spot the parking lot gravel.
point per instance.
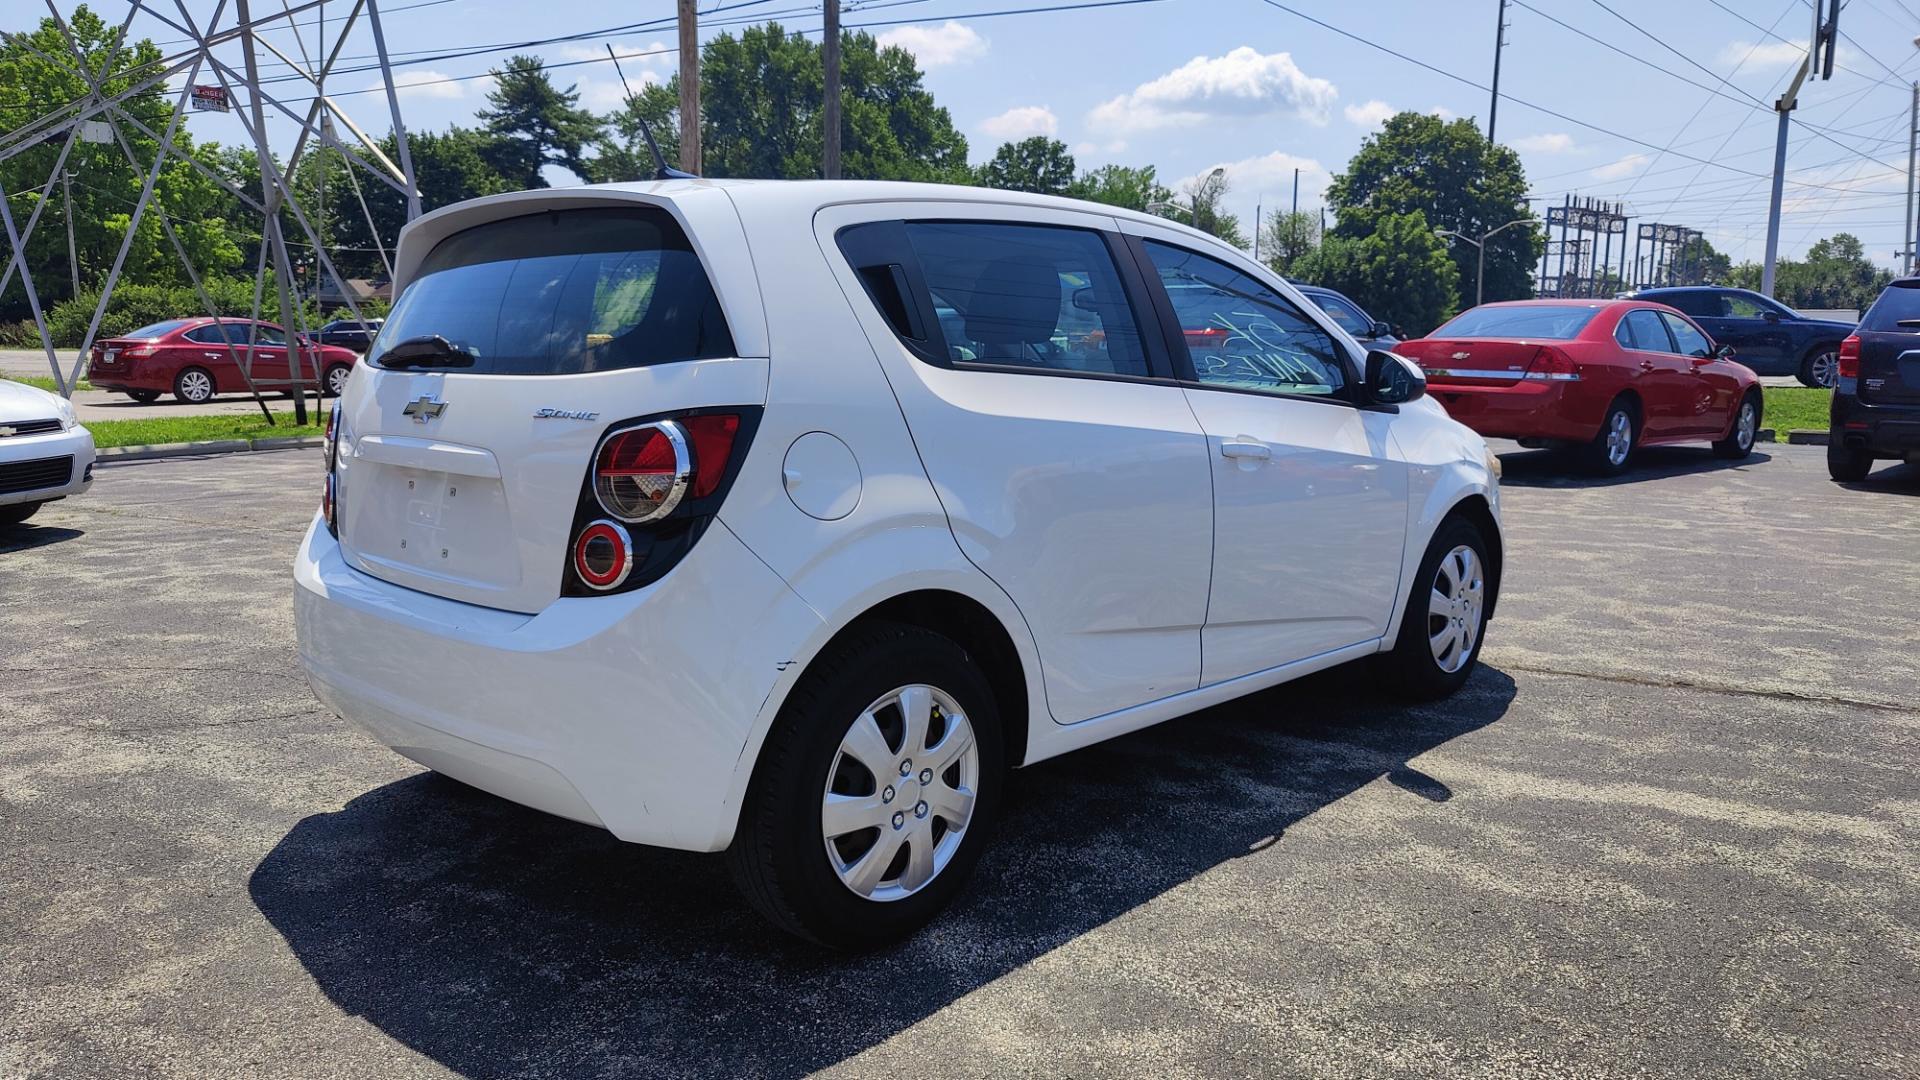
(1668, 830)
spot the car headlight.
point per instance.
(64, 409)
(1493, 462)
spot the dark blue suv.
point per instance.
(1370, 332)
(1766, 335)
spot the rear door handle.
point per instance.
(1251, 451)
(1647, 365)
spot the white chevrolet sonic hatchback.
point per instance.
(783, 518)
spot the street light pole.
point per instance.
(1480, 275)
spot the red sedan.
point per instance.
(1600, 376)
(198, 358)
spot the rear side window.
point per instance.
(1035, 296)
(1897, 303)
(1544, 323)
(1641, 329)
(566, 291)
(1704, 305)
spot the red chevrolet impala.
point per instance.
(195, 359)
(1601, 377)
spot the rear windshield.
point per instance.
(1536, 323)
(159, 329)
(565, 291)
(1896, 302)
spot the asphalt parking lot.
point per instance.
(1669, 829)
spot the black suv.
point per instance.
(1876, 406)
(1766, 335)
(347, 333)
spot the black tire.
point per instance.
(194, 385)
(1411, 669)
(144, 397)
(779, 854)
(17, 513)
(327, 378)
(1848, 464)
(1599, 457)
(1739, 441)
(1821, 362)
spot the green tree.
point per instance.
(1120, 185)
(448, 167)
(1835, 274)
(1285, 239)
(1204, 198)
(621, 154)
(535, 124)
(1459, 181)
(1035, 164)
(1399, 271)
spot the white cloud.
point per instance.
(1622, 168)
(1371, 115)
(1765, 54)
(1444, 113)
(425, 83)
(1244, 83)
(630, 52)
(1269, 174)
(605, 95)
(947, 45)
(1021, 122)
(1547, 142)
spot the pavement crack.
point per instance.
(1711, 688)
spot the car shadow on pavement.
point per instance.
(500, 941)
(1550, 468)
(27, 537)
(1901, 479)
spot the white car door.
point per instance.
(1310, 494)
(1043, 406)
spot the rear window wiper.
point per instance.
(430, 350)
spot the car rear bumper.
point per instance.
(631, 711)
(1523, 410)
(29, 456)
(1885, 430)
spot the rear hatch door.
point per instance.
(1890, 347)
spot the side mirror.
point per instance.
(1770, 315)
(1380, 329)
(1393, 379)
(1723, 351)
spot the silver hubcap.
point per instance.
(900, 793)
(1453, 608)
(196, 386)
(337, 381)
(1824, 367)
(1619, 438)
(1749, 425)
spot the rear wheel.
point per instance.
(1441, 632)
(1612, 447)
(1821, 367)
(144, 397)
(335, 380)
(1746, 424)
(17, 513)
(1848, 464)
(871, 799)
(193, 386)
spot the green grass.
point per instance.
(1788, 408)
(44, 382)
(178, 429)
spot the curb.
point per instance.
(112, 454)
(1807, 437)
(1765, 434)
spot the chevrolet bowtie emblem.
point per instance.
(8, 432)
(424, 409)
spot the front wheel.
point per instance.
(1848, 464)
(1746, 424)
(17, 513)
(873, 793)
(1821, 368)
(1442, 630)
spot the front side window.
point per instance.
(1641, 329)
(270, 336)
(1028, 296)
(1687, 340)
(566, 291)
(1242, 335)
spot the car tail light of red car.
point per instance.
(1849, 367)
(1552, 365)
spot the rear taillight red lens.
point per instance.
(1552, 365)
(712, 438)
(603, 555)
(641, 473)
(1850, 357)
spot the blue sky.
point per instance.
(1188, 85)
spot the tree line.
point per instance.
(761, 117)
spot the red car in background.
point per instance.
(195, 359)
(1602, 377)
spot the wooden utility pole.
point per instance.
(689, 87)
(830, 57)
(73, 251)
(1499, 44)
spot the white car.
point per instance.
(44, 453)
(783, 518)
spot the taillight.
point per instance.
(603, 555)
(1849, 367)
(653, 486)
(330, 447)
(137, 352)
(1552, 365)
